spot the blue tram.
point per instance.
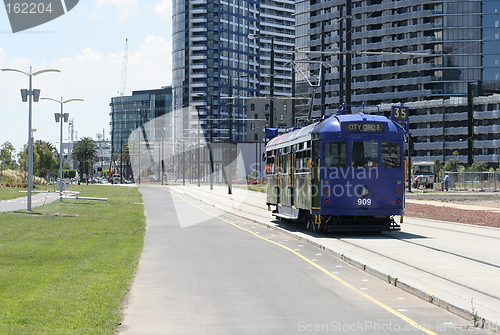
(343, 173)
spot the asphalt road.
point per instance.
(206, 274)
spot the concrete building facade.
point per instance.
(460, 38)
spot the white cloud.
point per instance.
(125, 7)
(164, 9)
(90, 75)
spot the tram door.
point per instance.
(315, 175)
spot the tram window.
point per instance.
(365, 155)
(336, 155)
(391, 156)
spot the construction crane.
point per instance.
(121, 91)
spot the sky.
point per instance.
(87, 45)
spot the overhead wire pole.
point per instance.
(293, 92)
(341, 56)
(230, 115)
(348, 55)
(323, 60)
(271, 88)
(211, 143)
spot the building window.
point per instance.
(266, 107)
(256, 137)
(282, 117)
(256, 116)
(284, 107)
(252, 107)
(252, 126)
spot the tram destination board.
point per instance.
(364, 128)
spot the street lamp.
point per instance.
(60, 117)
(33, 96)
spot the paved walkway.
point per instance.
(37, 199)
(448, 264)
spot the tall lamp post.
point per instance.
(60, 117)
(33, 96)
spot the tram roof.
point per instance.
(332, 125)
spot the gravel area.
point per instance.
(445, 213)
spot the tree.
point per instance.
(437, 167)
(451, 165)
(47, 161)
(479, 166)
(85, 151)
(23, 158)
(6, 154)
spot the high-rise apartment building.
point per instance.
(461, 39)
(222, 49)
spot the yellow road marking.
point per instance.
(414, 324)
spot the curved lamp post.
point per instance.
(33, 96)
(60, 117)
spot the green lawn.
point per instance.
(65, 268)
(257, 188)
(11, 193)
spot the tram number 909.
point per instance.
(364, 202)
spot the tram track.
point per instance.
(420, 269)
(248, 208)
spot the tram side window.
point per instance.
(336, 155)
(365, 155)
(391, 155)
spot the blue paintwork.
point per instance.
(345, 184)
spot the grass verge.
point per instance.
(256, 188)
(66, 267)
(7, 193)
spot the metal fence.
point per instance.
(472, 181)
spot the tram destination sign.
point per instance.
(364, 128)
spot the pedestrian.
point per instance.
(446, 182)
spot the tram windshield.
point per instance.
(364, 155)
(336, 155)
(391, 156)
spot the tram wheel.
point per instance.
(310, 222)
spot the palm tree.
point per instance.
(85, 151)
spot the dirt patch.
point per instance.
(443, 213)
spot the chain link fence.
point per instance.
(472, 181)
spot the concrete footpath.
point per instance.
(37, 199)
(452, 265)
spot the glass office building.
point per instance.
(131, 112)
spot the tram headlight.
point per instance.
(364, 191)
